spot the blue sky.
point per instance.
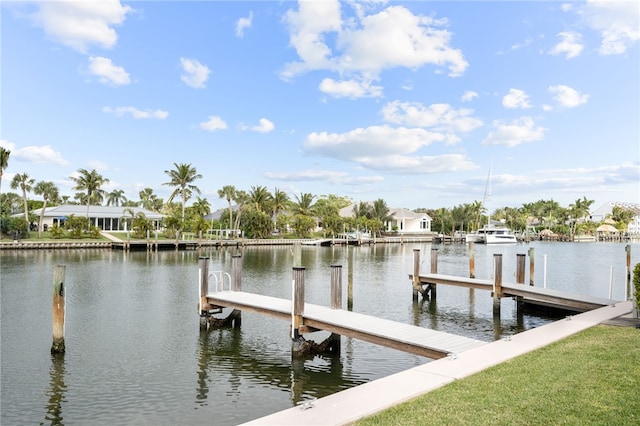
(407, 101)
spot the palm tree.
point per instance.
(362, 209)
(48, 190)
(182, 177)
(89, 181)
(260, 198)
(279, 202)
(149, 200)
(25, 183)
(228, 192)
(4, 162)
(116, 197)
(241, 198)
(303, 204)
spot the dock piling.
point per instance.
(297, 309)
(520, 263)
(497, 283)
(628, 286)
(531, 265)
(236, 272)
(472, 260)
(434, 270)
(58, 346)
(417, 287)
(203, 268)
(336, 286)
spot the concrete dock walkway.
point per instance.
(352, 404)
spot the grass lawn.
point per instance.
(591, 378)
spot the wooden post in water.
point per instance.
(203, 283)
(416, 274)
(336, 286)
(350, 278)
(297, 309)
(472, 260)
(531, 265)
(520, 259)
(497, 283)
(236, 272)
(434, 270)
(629, 292)
(297, 254)
(57, 346)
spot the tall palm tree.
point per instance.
(91, 182)
(4, 162)
(25, 183)
(48, 190)
(260, 198)
(182, 177)
(228, 192)
(279, 202)
(303, 204)
(241, 198)
(116, 197)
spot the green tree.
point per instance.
(49, 191)
(303, 205)
(25, 183)
(182, 177)
(279, 202)
(116, 197)
(228, 192)
(91, 182)
(260, 199)
(622, 217)
(4, 162)
(149, 200)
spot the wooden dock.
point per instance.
(404, 337)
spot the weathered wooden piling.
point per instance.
(628, 287)
(417, 287)
(520, 264)
(203, 284)
(58, 346)
(350, 278)
(336, 286)
(531, 264)
(297, 310)
(297, 254)
(472, 260)
(434, 270)
(497, 283)
(236, 272)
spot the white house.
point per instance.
(600, 214)
(107, 218)
(403, 221)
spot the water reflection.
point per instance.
(57, 390)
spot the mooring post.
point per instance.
(497, 283)
(531, 265)
(628, 250)
(203, 283)
(236, 272)
(336, 286)
(472, 260)
(297, 309)
(416, 274)
(434, 270)
(58, 346)
(297, 254)
(520, 263)
(350, 278)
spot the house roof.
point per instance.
(67, 210)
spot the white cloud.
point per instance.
(135, 112)
(194, 74)
(107, 72)
(350, 89)
(515, 133)
(34, 154)
(242, 24)
(265, 126)
(214, 123)
(81, 24)
(99, 166)
(334, 177)
(396, 150)
(570, 45)
(617, 21)
(440, 117)
(516, 98)
(567, 96)
(469, 95)
(366, 44)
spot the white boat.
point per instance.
(490, 233)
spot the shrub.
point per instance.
(56, 231)
(636, 284)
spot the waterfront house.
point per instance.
(106, 218)
(402, 221)
(602, 213)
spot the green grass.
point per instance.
(589, 378)
(46, 237)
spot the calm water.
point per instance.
(135, 354)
